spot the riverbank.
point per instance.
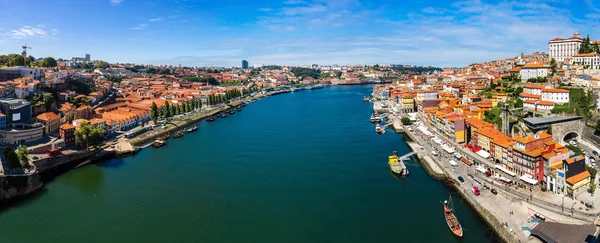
(149, 136)
(437, 171)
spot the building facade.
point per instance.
(563, 49)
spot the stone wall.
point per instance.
(51, 162)
(19, 186)
(561, 129)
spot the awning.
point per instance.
(483, 154)
(453, 163)
(481, 169)
(505, 170)
(504, 179)
(527, 178)
(466, 161)
(448, 149)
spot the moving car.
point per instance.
(476, 191)
(461, 179)
(494, 191)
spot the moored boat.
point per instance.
(394, 163)
(379, 129)
(377, 117)
(451, 219)
(192, 129)
(365, 99)
(158, 143)
(372, 119)
(223, 114)
(178, 134)
(210, 118)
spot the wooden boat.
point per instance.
(231, 111)
(394, 163)
(178, 134)
(158, 143)
(372, 119)
(210, 118)
(223, 114)
(451, 219)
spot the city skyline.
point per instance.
(292, 32)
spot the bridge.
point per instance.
(403, 157)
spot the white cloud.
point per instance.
(155, 19)
(115, 2)
(27, 32)
(140, 27)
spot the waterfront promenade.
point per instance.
(498, 210)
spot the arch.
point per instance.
(571, 135)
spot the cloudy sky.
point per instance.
(295, 32)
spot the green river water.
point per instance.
(297, 167)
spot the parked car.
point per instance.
(595, 153)
(461, 179)
(476, 191)
(494, 191)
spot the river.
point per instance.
(298, 167)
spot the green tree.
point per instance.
(49, 62)
(11, 157)
(30, 61)
(167, 109)
(89, 135)
(405, 120)
(22, 155)
(593, 172)
(519, 103)
(48, 101)
(553, 66)
(592, 187)
(154, 112)
(102, 64)
(15, 60)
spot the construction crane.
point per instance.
(506, 111)
(25, 47)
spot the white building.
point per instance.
(534, 70)
(588, 61)
(562, 49)
(533, 89)
(556, 95)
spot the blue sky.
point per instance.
(294, 32)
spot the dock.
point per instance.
(432, 168)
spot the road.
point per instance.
(523, 194)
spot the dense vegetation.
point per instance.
(580, 103)
(204, 79)
(587, 46)
(301, 72)
(415, 70)
(494, 116)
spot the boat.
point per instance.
(223, 114)
(394, 163)
(377, 118)
(372, 119)
(231, 111)
(178, 134)
(451, 219)
(318, 86)
(238, 109)
(210, 118)
(378, 129)
(192, 129)
(365, 99)
(158, 143)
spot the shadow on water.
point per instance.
(111, 163)
(22, 201)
